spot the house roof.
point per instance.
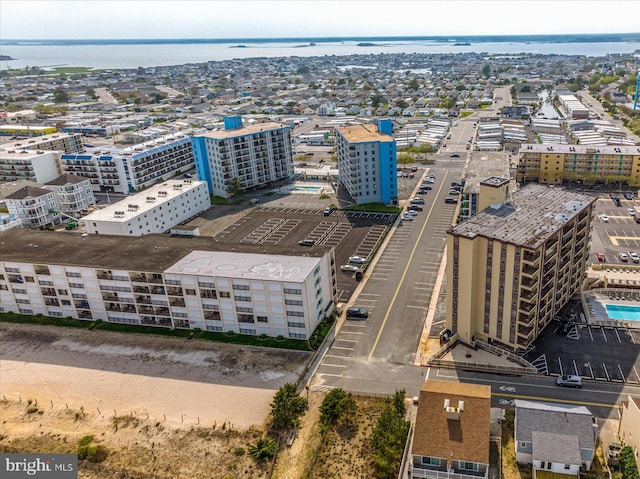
(28, 192)
(560, 448)
(562, 419)
(66, 180)
(467, 438)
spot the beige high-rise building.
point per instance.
(553, 164)
(512, 267)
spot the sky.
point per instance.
(111, 19)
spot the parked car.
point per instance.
(357, 313)
(407, 218)
(455, 155)
(411, 175)
(631, 211)
(414, 168)
(604, 218)
(628, 196)
(349, 268)
(426, 187)
(306, 242)
(623, 257)
(570, 381)
(357, 260)
(429, 180)
(453, 191)
(327, 211)
(421, 192)
(412, 213)
(450, 199)
(601, 257)
(634, 257)
(417, 201)
(415, 207)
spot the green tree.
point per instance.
(287, 407)
(337, 406)
(525, 89)
(413, 84)
(401, 104)
(377, 100)
(486, 70)
(388, 441)
(91, 93)
(60, 96)
(235, 187)
(263, 450)
(627, 463)
(302, 70)
(398, 402)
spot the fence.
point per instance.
(497, 368)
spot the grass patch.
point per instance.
(218, 200)
(374, 208)
(510, 468)
(65, 70)
(464, 114)
(321, 332)
(269, 342)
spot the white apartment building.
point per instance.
(73, 193)
(123, 170)
(68, 143)
(257, 155)
(367, 162)
(168, 282)
(8, 221)
(36, 207)
(33, 165)
(154, 210)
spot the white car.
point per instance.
(412, 213)
(623, 257)
(631, 211)
(604, 218)
(357, 260)
(407, 218)
(634, 257)
(349, 268)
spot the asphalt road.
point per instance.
(602, 398)
(377, 355)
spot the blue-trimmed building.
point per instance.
(257, 155)
(367, 162)
(133, 168)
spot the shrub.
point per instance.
(85, 440)
(263, 450)
(627, 463)
(92, 453)
(239, 451)
(32, 409)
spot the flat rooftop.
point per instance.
(22, 154)
(579, 149)
(245, 130)
(245, 266)
(140, 203)
(534, 213)
(363, 133)
(150, 253)
(33, 141)
(495, 181)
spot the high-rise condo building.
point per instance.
(248, 157)
(513, 266)
(367, 162)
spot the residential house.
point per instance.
(554, 438)
(35, 206)
(629, 431)
(451, 438)
(74, 194)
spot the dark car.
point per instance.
(628, 196)
(306, 242)
(357, 313)
(450, 199)
(415, 207)
(455, 155)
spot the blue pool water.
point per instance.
(617, 311)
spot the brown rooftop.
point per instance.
(153, 253)
(465, 439)
(28, 192)
(67, 180)
(363, 133)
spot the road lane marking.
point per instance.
(565, 401)
(404, 273)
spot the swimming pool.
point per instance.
(618, 311)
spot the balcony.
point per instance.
(177, 302)
(525, 331)
(42, 270)
(48, 292)
(142, 289)
(530, 271)
(85, 315)
(143, 300)
(418, 470)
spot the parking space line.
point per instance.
(624, 380)
(606, 372)
(334, 365)
(617, 335)
(346, 340)
(369, 294)
(590, 333)
(637, 375)
(575, 367)
(604, 335)
(591, 370)
(632, 338)
(344, 349)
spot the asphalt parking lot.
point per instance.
(351, 233)
(593, 352)
(617, 232)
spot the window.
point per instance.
(292, 291)
(243, 298)
(432, 461)
(224, 294)
(241, 287)
(262, 319)
(191, 292)
(469, 466)
(567, 466)
(293, 302)
(523, 444)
